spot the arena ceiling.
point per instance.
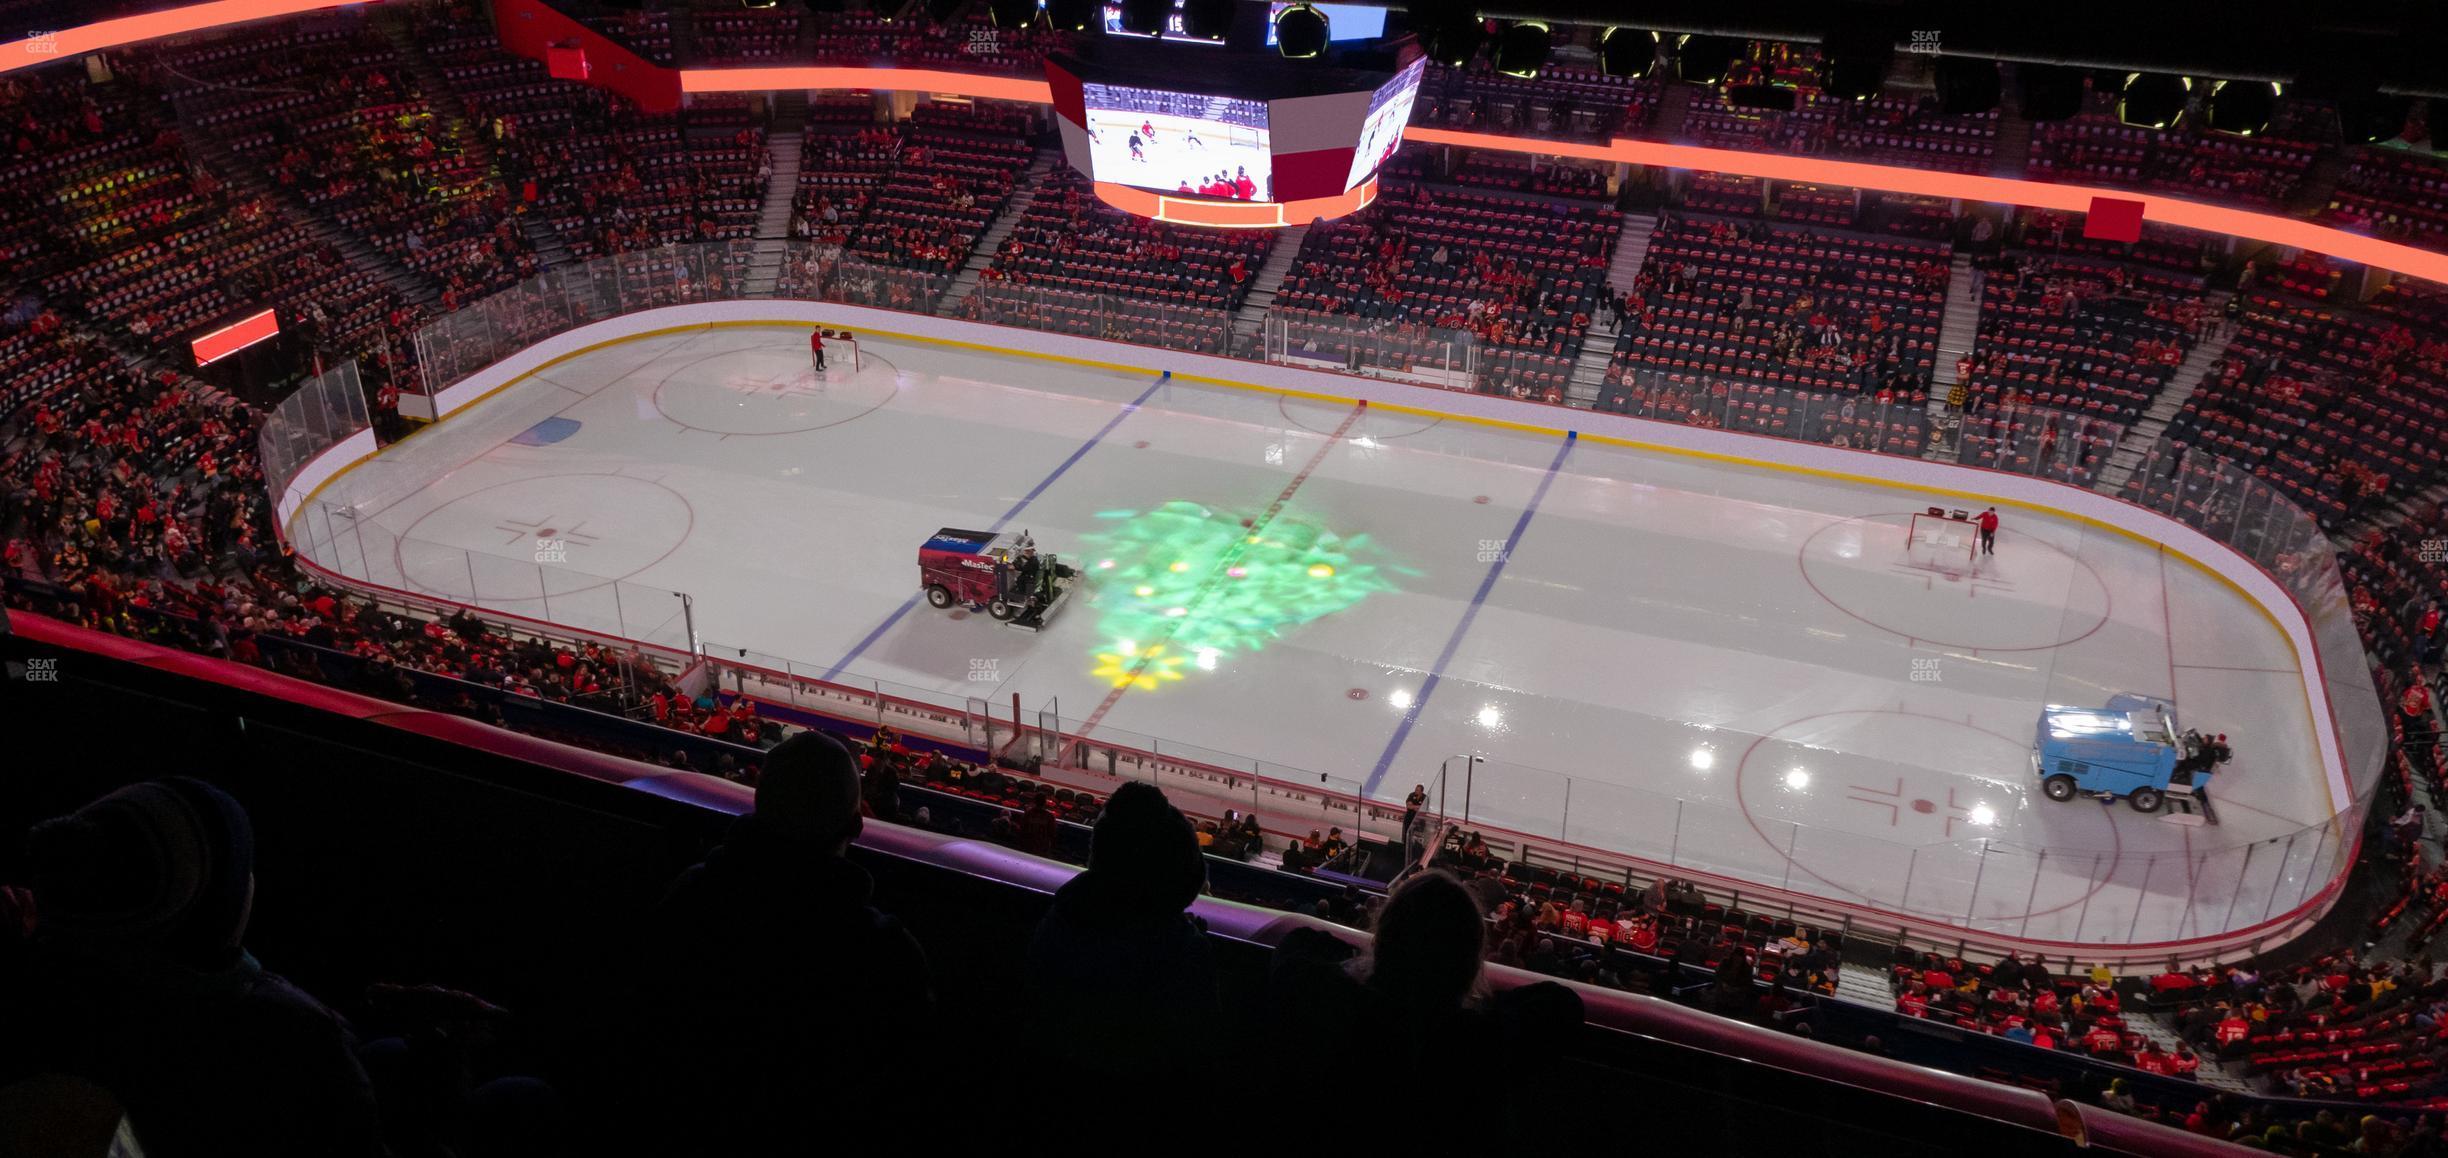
(2316, 45)
(2402, 44)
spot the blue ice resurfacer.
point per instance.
(2130, 748)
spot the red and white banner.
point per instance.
(236, 336)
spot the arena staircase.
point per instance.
(1249, 321)
(450, 111)
(1959, 330)
(1673, 109)
(1958, 333)
(1589, 369)
(2154, 422)
(2013, 145)
(1863, 980)
(990, 243)
(1631, 249)
(1598, 345)
(239, 176)
(2320, 181)
(2212, 1074)
(772, 235)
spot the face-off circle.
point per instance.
(1856, 780)
(542, 537)
(1324, 417)
(2032, 596)
(768, 390)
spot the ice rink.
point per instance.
(1733, 669)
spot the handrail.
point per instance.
(1608, 1009)
(1828, 912)
(1932, 932)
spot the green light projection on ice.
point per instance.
(1183, 586)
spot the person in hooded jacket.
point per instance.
(135, 982)
(778, 997)
(1121, 982)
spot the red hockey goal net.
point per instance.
(841, 349)
(1942, 540)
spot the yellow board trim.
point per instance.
(2304, 675)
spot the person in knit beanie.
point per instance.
(1121, 981)
(139, 983)
(810, 792)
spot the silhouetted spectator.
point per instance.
(782, 998)
(1037, 827)
(1121, 982)
(427, 1048)
(137, 982)
(1733, 994)
(1403, 1012)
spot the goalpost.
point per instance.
(841, 349)
(1942, 540)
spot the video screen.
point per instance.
(1343, 21)
(1175, 142)
(1174, 29)
(1389, 111)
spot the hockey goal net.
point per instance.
(841, 349)
(1942, 540)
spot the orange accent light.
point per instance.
(1234, 214)
(2269, 227)
(236, 336)
(49, 47)
(968, 84)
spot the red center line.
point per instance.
(1222, 566)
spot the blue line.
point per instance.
(1436, 674)
(1127, 410)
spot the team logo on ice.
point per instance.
(552, 541)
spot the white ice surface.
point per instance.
(1732, 669)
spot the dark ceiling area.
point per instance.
(2318, 46)
(2312, 44)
